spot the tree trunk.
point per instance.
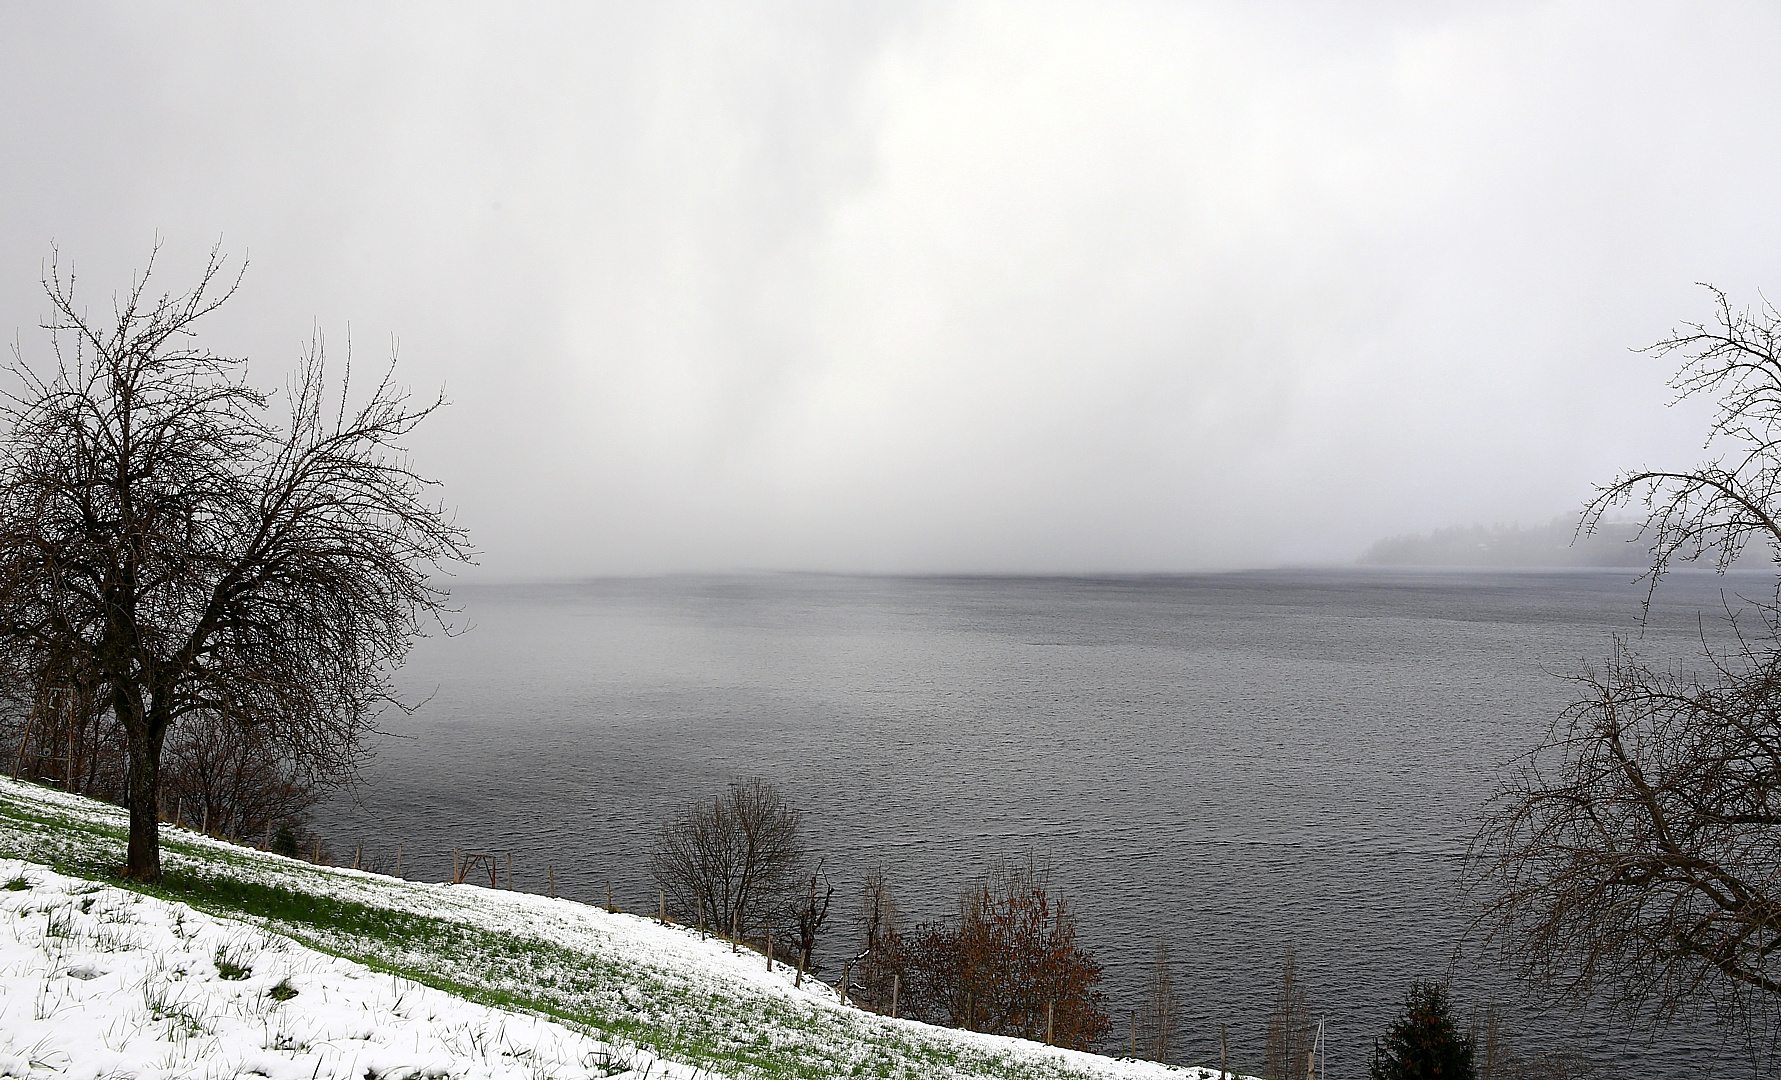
(144, 862)
(144, 735)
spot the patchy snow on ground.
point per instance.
(97, 981)
(102, 981)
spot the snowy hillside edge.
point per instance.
(397, 979)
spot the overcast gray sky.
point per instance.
(936, 286)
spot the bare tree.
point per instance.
(875, 964)
(1161, 1005)
(1485, 1030)
(739, 857)
(805, 918)
(1494, 1057)
(1634, 854)
(163, 535)
(1290, 1033)
(236, 778)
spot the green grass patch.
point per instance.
(229, 964)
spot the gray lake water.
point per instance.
(1236, 762)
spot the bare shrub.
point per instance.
(59, 729)
(1485, 1030)
(738, 858)
(237, 777)
(1494, 1056)
(1010, 954)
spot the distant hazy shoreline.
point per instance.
(1552, 546)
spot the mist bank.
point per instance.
(1555, 544)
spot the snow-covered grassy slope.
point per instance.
(101, 982)
(399, 978)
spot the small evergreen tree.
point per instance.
(1424, 1042)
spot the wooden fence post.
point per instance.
(846, 978)
(896, 984)
(662, 905)
(1048, 1023)
(769, 950)
(510, 871)
(358, 854)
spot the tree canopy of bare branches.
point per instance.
(1636, 854)
(1716, 508)
(166, 539)
(737, 859)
